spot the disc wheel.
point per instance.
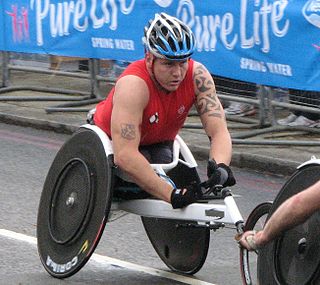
(74, 205)
(294, 257)
(182, 249)
(181, 245)
(249, 260)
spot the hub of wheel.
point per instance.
(70, 204)
(71, 199)
(302, 245)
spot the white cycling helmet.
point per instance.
(169, 38)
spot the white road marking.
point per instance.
(113, 261)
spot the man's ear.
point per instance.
(149, 59)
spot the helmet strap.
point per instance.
(153, 76)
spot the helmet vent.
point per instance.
(172, 45)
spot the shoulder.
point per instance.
(132, 88)
(135, 73)
(133, 83)
(136, 68)
(199, 69)
(202, 79)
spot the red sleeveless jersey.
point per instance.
(164, 114)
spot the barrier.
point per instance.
(91, 97)
(262, 97)
(7, 67)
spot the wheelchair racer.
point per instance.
(149, 103)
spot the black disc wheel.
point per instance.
(74, 205)
(294, 257)
(182, 248)
(249, 260)
(181, 245)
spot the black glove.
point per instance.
(219, 174)
(180, 200)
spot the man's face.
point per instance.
(168, 73)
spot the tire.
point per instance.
(294, 257)
(249, 260)
(74, 205)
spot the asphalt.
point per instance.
(265, 149)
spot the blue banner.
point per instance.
(2, 46)
(269, 42)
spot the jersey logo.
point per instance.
(154, 119)
(181, 109)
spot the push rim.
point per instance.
(256, 220)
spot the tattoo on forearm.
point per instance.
(208, 102)
(128, 131)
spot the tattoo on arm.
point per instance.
(128, 131)
(208, 102)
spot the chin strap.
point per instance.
(155, 79)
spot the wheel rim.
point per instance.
(249, 261)
(71, 202)
(296, 254)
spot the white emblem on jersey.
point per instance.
(154, 119)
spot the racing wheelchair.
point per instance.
(294, 257)
(83, 190)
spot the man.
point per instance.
(149, 104)
(292, 212)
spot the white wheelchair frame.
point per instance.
(313, 160)
(203, 213)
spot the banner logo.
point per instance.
(78, 15)
(311, 11)
(19, 23)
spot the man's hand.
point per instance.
(249, 240)
(184, 197)
(219, 174)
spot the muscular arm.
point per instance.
(291, 213)
(130, 98)
(212, 115)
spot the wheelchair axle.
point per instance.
(209, 225)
